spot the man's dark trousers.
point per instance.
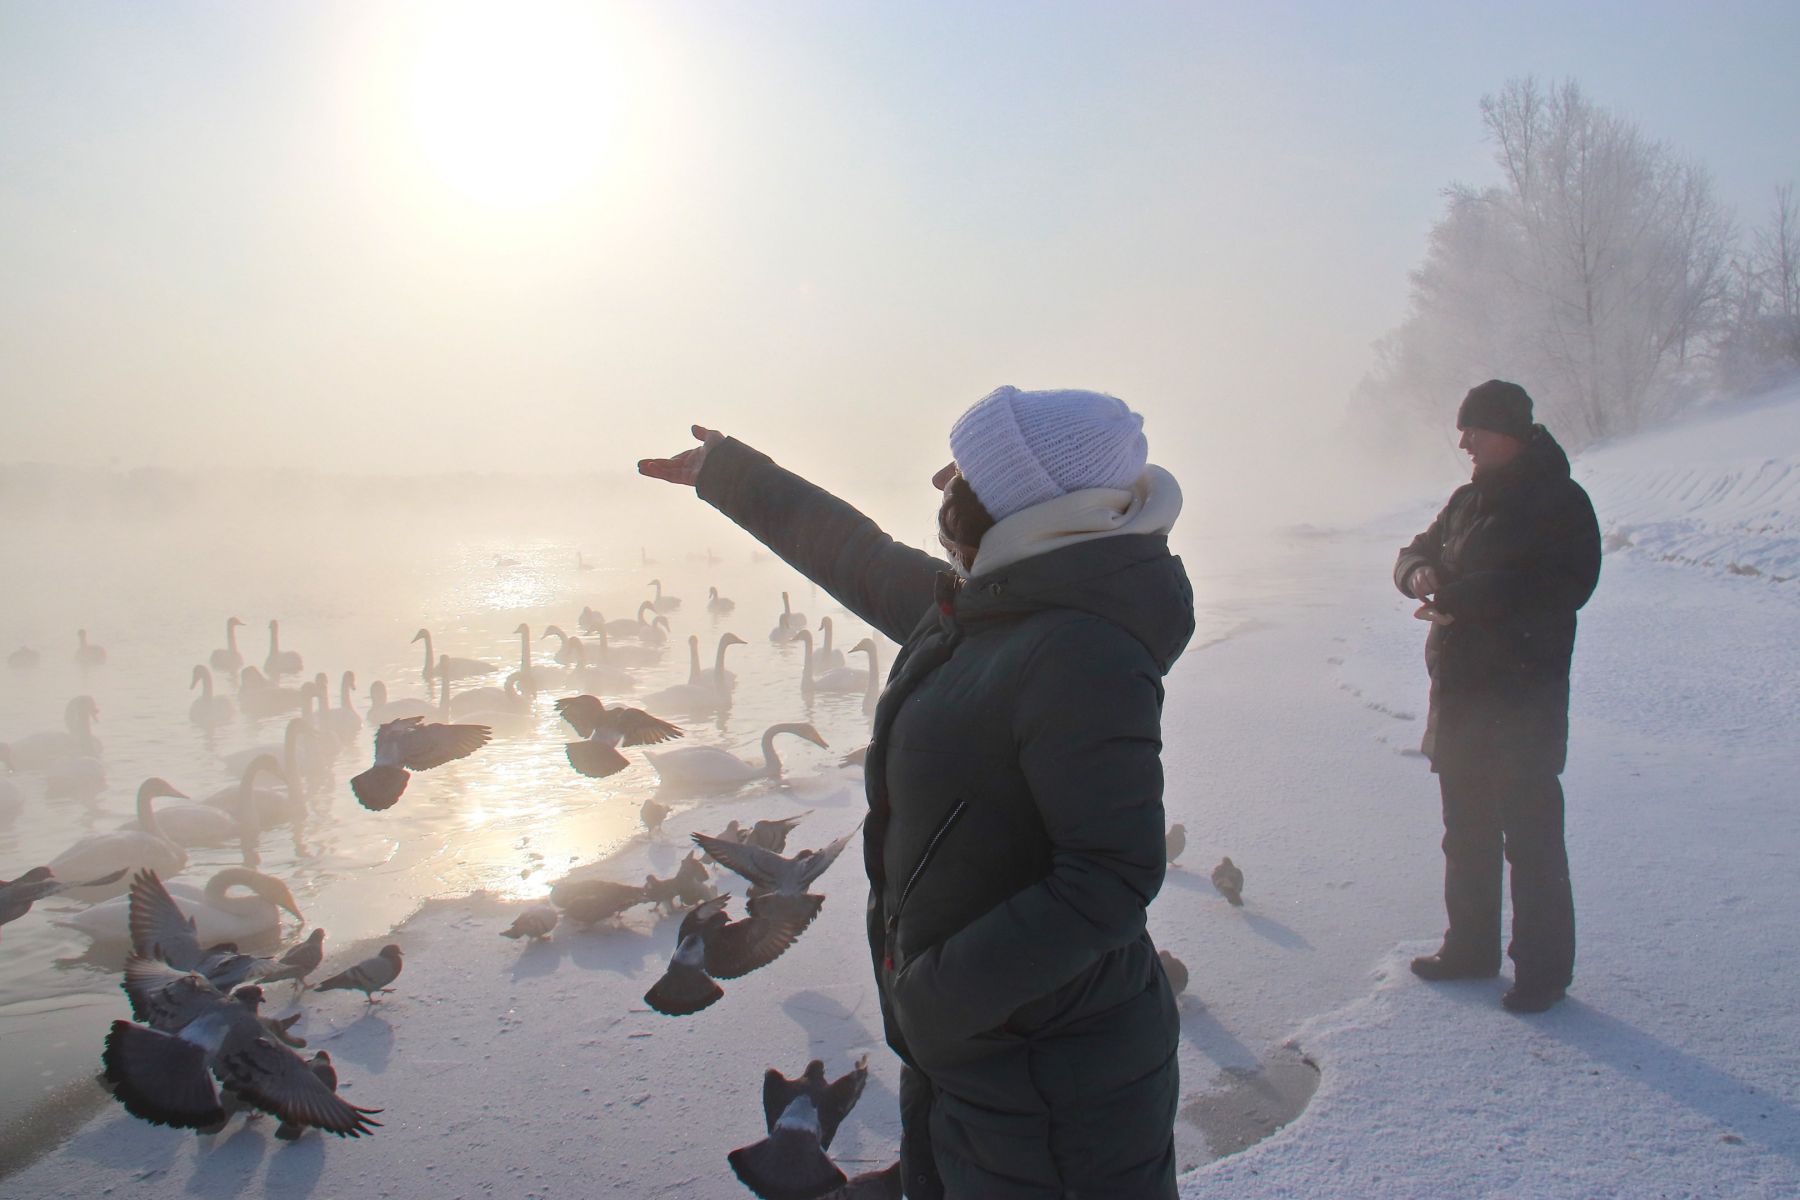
(1488, 814)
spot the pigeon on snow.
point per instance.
(408, 744)
(1230, 882)
(1175, 971)
(586, 901)
(369, 976)
(534, 923)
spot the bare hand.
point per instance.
(684, 467)
(1423, 582)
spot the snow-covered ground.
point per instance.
(537, 1071)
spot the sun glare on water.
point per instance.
(519, 104)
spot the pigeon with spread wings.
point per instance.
(605, 729)
(778, 884)
(710, 945)
(408, 744)
(167, 1077)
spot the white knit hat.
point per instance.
(1018, 448)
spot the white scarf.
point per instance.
(1148, 506)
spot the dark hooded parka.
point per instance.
(1013, 842)
(1516, 552)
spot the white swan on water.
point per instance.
(38, 751)
(382, 710)
(260, 698)
(827, 658)
(460, 668)
(344, 719)
(274, 806)
(218, 914)
(597, 674)
(716, 603)
(229, 660)
(217, 825)
(279, 662)
(86, 653)
(101, 854)
(787, 624)
(652, 631)
(717, 675)
(849, 679)
(208, 711)
(707, 768)
(662, 603)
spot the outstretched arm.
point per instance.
(887, 584)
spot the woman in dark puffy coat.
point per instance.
(1015, 828)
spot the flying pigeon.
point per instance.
(791, 1163)
(534, 923)
(778, 885)
(408, 744)
(369, 976)
(320, 1065)
(18, 895)
(832, 1101)
(711, 945)
(605, 729)
(167, 1077)
(1230, 882)
(1175, 841)
(160, 930)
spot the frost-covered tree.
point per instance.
(1595, 273)
(1763, 346)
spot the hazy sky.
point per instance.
(369, 235)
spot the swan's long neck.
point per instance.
(786, 609)
(719, 660)
(231, 637)
(146, 813)
(771, 764)
(344, 692)
(274, 638)
(428, 659)
(646, 606)
(218, 890)
(694, 661)
(806, 670)
(377, 694)
(206, 683)
(825, 649)
(525, 654)
(324, 689)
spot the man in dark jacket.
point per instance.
(1502, 572)
(1015, 828)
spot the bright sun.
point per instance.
(516, 104)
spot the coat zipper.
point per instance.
(893, 921)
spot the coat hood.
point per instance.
(1542, 458)
(1129, 579)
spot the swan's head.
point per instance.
(732, 639)
(378, 692)
(655, 583)
(712, 593)
(323, 681)
(232, 622)
(523, 630)
(804, 637)
(811, 734)
(259, 764)
(82, 708)
(274, 625)
(421, 636)
(554, 630)
(867, 644)
(824, 623)
(694, 642)
(155, 789)
(349, 680)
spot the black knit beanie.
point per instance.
(1497, 406)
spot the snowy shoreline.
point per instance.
(537, 1071)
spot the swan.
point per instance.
(209, 824)
(703, 768)
(229, 660)
(126, 849)
(790, 618)
(849, 679)
(23, 659)
(208, 711)
(37, 751)
(311, 754)
(280, 662)
(218, 914)
(528, 680)
(344, 721)
(662, 603)
(460, 668)
(382, 710)
(564, 655)
(508, 699)
(273, 806)
(716, 603)
(604, 650)
(600, 676)
(87, 654)
(326, 742)
(259, 698)
(827, 659)
(716, 675)
(651, 631)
